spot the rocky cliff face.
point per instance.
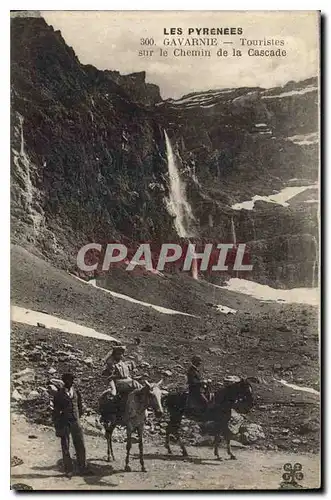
(89, 160)
(85, 151)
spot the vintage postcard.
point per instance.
(165, 250)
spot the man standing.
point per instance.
(67, 412)
(196, 397)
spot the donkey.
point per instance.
(238, 396)
(131, 414)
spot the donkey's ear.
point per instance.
(159, 382)
(147, 384)
(253, 380)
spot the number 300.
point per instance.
(147, 41)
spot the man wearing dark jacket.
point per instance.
(196, 397)
(67, 412)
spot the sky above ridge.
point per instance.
(111, 40)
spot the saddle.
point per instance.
(112, 407)
(196, 405)
(193, 404)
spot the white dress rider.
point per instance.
(119, 372)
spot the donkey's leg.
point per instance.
(175, 429)
(128, 448)
(110, 442)
(216, 445)
(228, 446)
(108, 438)
(141, 447)
(182, 445)
(168, 432)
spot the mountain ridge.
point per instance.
(89, 158)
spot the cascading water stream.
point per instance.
(233, 230)
(177, 204)
(22, 163)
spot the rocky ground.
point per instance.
(89, 163)
(271, 341)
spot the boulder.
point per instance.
(42, 391)
(25, 376)
(15, 461)
(88, 361)
(283, 328)
(216, 350)
(92, 420)
(21, 487)
(33, 395)
(235, 422)
(36, 355)
(71, 356)
(251, 433)
(145, 364)
(60, 352)
(16, 396)
(67, 346)
(58, 383)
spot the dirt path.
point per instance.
(253, 470)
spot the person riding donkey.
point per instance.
(119, 375)
(197, 398)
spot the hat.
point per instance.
(231, 379)
(67, 376)
(119, 348)
(196, 359)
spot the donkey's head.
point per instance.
(154, 395)
(243, 394)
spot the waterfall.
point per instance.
(314, 264)
(23, 165)
(21, 120)
(233, 230)
(195, 274)
(177, 204)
